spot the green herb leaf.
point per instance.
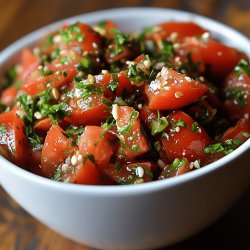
(157, 126)
(3, 129)
(242, 68)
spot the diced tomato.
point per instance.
(42, 126)
(184, 138)
(237, 95)
(36, 83)
(147, 116)
(188, 57)
(202, 112)
(219, 59)
(107, 28)
(115, 84)
(29, 63)
(210, 158)
(98, 143)
(133, 173)
(182, 167)
(133, 142)
(57, 147)
(240, 131)
(13, 141)
(86, 173)
(83, 36)
(172, 90)
(8, 96)
(183, 28)
(89, 111)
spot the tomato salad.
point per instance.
(92, 105)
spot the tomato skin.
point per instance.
(13, 142)
(126, 174)
(147, 116)
(238, 131)
(29, 63)
(36, 83)
(86, 173)
(122, 115)
(237, 95)
(95, 141)
(55, 150)
(184, 142)
(8, 96)
(124, 84)
(171, 90)
(42, 126)
(91, 41)
(85, 114)
(183, 28)
(186, 48)
(219, 59)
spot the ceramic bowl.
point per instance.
(142, 216)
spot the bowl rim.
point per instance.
(124, 190)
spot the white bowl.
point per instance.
(144, 216)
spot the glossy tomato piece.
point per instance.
(29, 63)
(240, 131)
(184, 138)
(115, 84)
(130, 173)
(237, 95)
(81, 35)
(183, 28)
(133, 142)
(88, 111)
(13, 141)
(147, 116)
(36, 82)
(84, 172)
(87, 173)
(57, 147)
(172, 90)
(42, 126)
(8, 96)
(188, 58)
(219, 59)
(95, 141)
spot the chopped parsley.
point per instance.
(195, 127)
(120, 40)
(72, 33)
(117, 167)
(177, 163)
(242, 68)
(135, 148)
(245, 134)
(181, 123)
(3, 129)
(167, 50)
(110, 122)
(239, 96)
(114, 84)
(57, 175)
(136, 74)
(157, 126)
(125, 129)
(225, 147)
(10, 76)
